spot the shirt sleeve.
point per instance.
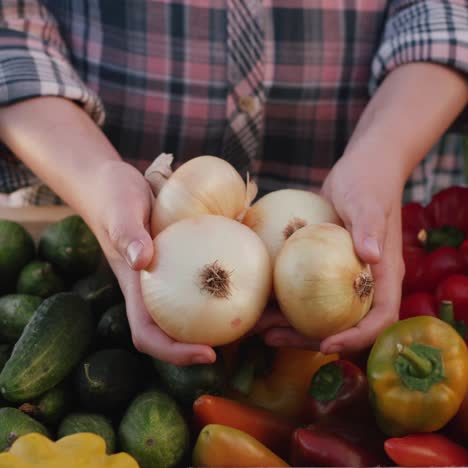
(423, 31)
(34, 59)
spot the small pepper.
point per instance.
(426, 450)
(81, 450)
(284, 389)
(310, 447)
(338, 390)
(222, 446)
(418, 375)
(268, 428)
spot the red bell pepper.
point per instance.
(311, 447)
(418, 303)
(427, 449)
(455, 289)
(439, 228)
(338, 390)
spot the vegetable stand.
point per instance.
(72, 382)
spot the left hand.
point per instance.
(366, 192)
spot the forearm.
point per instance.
(60, 143)
(412, 109)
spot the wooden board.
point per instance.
(35, 218)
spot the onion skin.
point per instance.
(277, 215)
(322, 287)
(174, 286)
(202, 185)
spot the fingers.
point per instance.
(367, 224)
(150, 339)
(388, 276)
(271, 318)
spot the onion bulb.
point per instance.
(209, 281)
(202, 185)
(322, 287)
(277, 215)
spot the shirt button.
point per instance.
(249, 104)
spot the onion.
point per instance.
(209, 282)
(202, 185)
(321, 285)
(277, 215)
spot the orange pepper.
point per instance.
(223, 446)
(284, 389)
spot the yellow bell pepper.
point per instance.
(284, 389)
(418, 375)
(82, 450)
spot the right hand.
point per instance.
(120, 221)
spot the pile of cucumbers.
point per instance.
(67, 361)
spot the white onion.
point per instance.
(209, 282)
(322, 287)
(277, 215)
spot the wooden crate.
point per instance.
(35, 218)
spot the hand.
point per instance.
(367, 196)
(120, 221)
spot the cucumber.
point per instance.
(51, 406)
(14, 423)
(71, 247)
(187, 383)
(39, 279)
(89, 422)
(113, 328)
(16, 250)
(53, 342)
(15, 312)
(101, 290)
(108, 379)
(154, 431)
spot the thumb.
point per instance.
(367, 226)
(133, 242)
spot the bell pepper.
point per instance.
(418, 375)
(283, 390)
(455, 289)
(310, 447)
(443, 223)
(338, 390)
(222, 446)
(268, 428)
(81, 450)
(418, 303)
(426, 450)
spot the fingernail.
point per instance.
(133, 252)
(199, 360)
(372, 246)
(276, 342)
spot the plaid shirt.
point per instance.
(274, 86)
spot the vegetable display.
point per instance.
(75, 392)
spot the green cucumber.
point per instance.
(14, 423)
(53, 342)
(101, 290)
(39, 279)
(108, 379)
(51, 406)
(16, 250)
(113, 328)
(71, 247)
(89, 422)
(16, 311)
(187, 383)
(154, 431)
